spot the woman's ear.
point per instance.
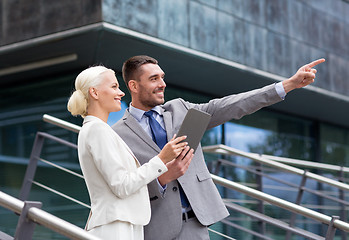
(93, 93)
(133, 85)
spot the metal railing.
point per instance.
(281, 203)
(223, 149)
(332, 222)
(61, 123)
(301, 188)
(305, 164)
(31, 214)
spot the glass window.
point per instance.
(272, 133)
(334, 145)
(334, 148)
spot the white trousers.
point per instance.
(118, 230)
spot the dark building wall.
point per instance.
(23, 19)
(275, 36)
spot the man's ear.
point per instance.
(93, 93)
(133, 86)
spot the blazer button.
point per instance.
(174, 189)
(159, 170)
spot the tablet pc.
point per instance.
(194, 126)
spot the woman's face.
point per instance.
(109, 94)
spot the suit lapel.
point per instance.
(134, 126)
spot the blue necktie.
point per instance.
(158, 133)
(160, 138)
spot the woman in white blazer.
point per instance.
(116, 182)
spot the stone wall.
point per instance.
(26, 19)
(277, 36)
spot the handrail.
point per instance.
(45, 219)
(293, 186)
(280, 202)
(303, 163)
(223, 149)
(61, 123)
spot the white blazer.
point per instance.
(116, 182)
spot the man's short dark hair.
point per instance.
(131, 66)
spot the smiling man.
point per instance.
(149, 87)
(184, 202)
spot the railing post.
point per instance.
(25, 227)
(343, 213)
(259, 180)
(32, 165)
(298, 201)
(218, 167)
(331, 229)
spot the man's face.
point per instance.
(150, 86)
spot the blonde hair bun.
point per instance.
(90, 77)
(77, 104)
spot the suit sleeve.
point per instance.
(237, 105)
(112, 160)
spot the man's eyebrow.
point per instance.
(154, 75)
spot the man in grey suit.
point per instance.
(184, 202)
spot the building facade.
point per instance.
(207, 48)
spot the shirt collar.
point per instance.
(138, 113)
(90, 118)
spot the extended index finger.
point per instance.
(316, 62)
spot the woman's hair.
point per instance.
(90, 77)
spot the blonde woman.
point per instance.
(116, 182)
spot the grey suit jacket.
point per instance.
(166, 218)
